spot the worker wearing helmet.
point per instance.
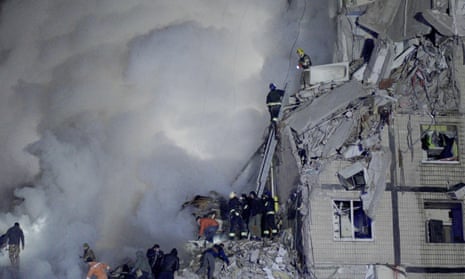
(269, 222)
(273, 101)
(236, 223)
(304, 63)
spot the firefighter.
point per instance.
(88, 254)
(15, 235)
(269, 223)
(236, 223)
(255, 216)
(245, 209)
(304, 63)
(208, 228)
(97, 269)
(273, 101)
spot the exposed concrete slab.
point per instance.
(329, 72)
(338, 138)
(377, 176)
(322, 107)
(396, 19)
(381, 59)
(448, 24)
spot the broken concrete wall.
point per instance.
(411, 164)
(459, 71)
(379, 66)
(312, 114)
(407, 85)
(396, 19)
(447, 17)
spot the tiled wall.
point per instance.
(415, 250)
(411, 172)
(327, 250)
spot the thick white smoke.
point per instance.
(114, 112)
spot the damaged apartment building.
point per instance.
(377, 145)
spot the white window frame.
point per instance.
(337, 226)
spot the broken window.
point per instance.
(350, 221)
(444, 222)
(439, 143)
(353, 177)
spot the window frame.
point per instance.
(450, 206)
(441, 128)
(337, 221)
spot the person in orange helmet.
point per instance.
(97, 269)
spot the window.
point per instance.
(353, 177)
(444, 222)
(350, 221)
(439, 143)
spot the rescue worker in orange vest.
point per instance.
(208, 228)
(97, 269)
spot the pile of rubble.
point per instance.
(267, 259)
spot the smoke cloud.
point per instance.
(114, 112)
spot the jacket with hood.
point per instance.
(142, 263)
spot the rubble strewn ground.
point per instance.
(268, 259)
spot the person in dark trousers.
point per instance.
(169, 265)
(155, 256)
(15, 235)
(208, 228)
(245, 210)
(236, 223)
(304, 63)
(207, 266)
(255, 217)
(269, 222)
(273, 101)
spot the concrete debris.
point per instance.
(267, 259)
(308, 116)
(376, 182)
(380, 62)
(447, 17)
(393, 68)
(329, 73)
(396, 19)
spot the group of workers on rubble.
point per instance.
(274, 97)
(153, 264)
(249, 217)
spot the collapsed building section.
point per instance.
(378, 143)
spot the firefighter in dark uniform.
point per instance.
(269, 222)
(273, 101)
(236, 223)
